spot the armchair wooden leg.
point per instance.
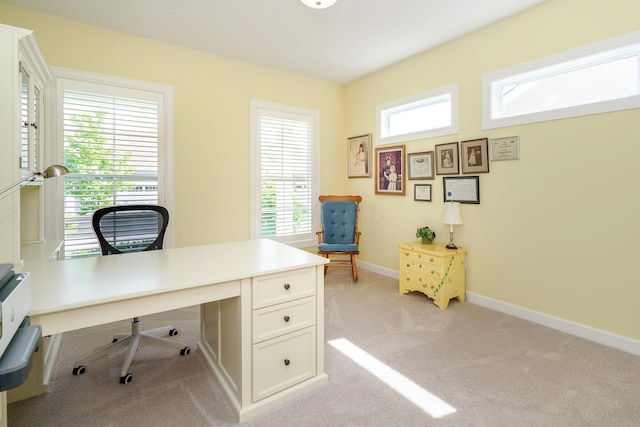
(353, 268)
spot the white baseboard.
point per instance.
(583, 331)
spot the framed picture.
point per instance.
(475, 156)
(420, 165)
(507, 148)
(422, 192)
(390, 173)
(447, 159)
(359, 156)
(463, 189)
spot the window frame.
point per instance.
(564, 61)
(308, 239)
(384, 111)
(165, 134)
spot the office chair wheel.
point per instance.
(185, 351)
(79, 370)
(126, 379)
(173, 332)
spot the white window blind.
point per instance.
(286, 189)
(111, 147)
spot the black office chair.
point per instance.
(122, 229)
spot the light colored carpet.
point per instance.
(487, 368)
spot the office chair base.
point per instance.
(133, 342)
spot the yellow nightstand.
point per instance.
(434, 270)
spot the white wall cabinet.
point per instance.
(24, 75)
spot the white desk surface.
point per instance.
(79, 284)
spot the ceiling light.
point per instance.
(318, 4)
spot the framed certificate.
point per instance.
(463, 189)
(422, 192)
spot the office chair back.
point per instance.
(130, 228)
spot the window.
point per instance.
(597, 78)
(285, 173)
(115, 147)
(425, 115)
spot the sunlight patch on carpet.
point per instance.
(429, 403)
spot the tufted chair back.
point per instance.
(340, 234)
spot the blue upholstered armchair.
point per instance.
(340, 235)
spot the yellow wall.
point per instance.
(212, 96)
(557, 230)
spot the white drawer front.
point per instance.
(287, 286)
(282, 362)
(283, 318)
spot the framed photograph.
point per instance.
(420, 165)
(463, 189)
(475, 156)
(507, 148)
(447, 159)
(390, 173)
(422, 192)
(359, 156)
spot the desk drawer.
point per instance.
(283, 318)
(282, 362)
(278, 288)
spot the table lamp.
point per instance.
(452, 216)
(50, 172)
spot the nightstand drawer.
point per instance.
(283, 318)
(277, 288)
(435, 261)
(282, 362)
(421, 267)
(410, 281)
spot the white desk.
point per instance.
(245, 290)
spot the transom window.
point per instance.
(424, 115)
(593, 79)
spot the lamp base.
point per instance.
(451, 245)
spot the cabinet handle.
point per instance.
(286, 362)
(287, 318)
(287, 286)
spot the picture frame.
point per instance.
(390, 170)
(463, 189)
(422, 192)
(506, 148)
(446, 159)
(359, 156)
(420, 165)
(475, 156)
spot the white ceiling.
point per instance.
(339, 44)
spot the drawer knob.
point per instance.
(286, 362)
(287, 286)
(287, 318)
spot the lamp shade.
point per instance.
(55, 170)
(452, 213)
(318, 4)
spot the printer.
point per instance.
(15, 301)
(18, 339)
